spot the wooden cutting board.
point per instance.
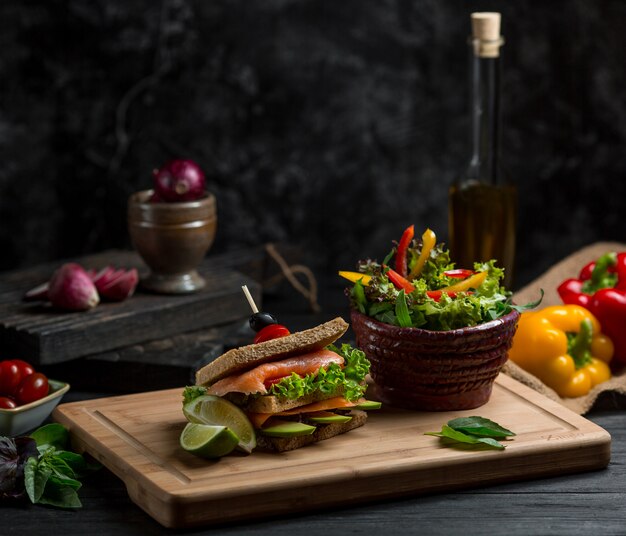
(136, 437)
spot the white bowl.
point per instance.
(25, 418)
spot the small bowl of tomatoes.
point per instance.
(27, 397)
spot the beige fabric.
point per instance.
(610, 394)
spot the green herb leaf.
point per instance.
(359, 296)
(61, 496)
(450, 433)
(53, 435)
(36, 475)
(479, 426)
(77, 463)
(402, 311)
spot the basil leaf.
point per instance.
(402, 311)
(526, 307)
(359, 297)
(53, 434)
(60, 496)
(451, 433)
(36, 475)
(479, 426)
(77, 463)
(379, 308)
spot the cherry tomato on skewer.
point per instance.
(273, 331)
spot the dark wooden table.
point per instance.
(588, 503)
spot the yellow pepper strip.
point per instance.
(473, 281)
(356, 276)
(429, 239)
(571, 365)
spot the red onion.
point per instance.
(179, 180)
(71, 288)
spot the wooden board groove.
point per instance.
(136, 437)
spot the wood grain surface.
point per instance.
(41, 335)
(136, 437)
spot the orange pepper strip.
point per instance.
(429, 239)
(471, 282)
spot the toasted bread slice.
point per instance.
(275, 404)
(241, 359)
(324, 431)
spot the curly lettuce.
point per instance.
(381, 300)
(349, 380)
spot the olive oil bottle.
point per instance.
(483, 204)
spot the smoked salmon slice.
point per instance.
(253, 380)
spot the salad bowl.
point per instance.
(429, 370)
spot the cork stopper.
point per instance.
(486, 34)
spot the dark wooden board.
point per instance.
(158, 364)
(42, 335)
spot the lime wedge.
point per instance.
(217, 411)
(208, 441)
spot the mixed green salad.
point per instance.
(425, 290)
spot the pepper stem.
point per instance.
(579, 344)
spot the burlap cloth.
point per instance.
(610, 394)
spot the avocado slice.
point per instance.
(288, 429)
(330, 419)
(367, 405)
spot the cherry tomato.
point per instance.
(32, 388)
(273, 331)
(7, 402)
(26, 369)
(10, 378)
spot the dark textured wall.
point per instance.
(331, 124)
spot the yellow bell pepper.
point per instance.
(562, 345)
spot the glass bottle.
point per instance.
(483, 204)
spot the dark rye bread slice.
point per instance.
(244, 358)
(324, 431)
(275, 404)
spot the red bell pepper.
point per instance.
(601, 288)
(403, 246)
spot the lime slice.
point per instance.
(208, 441)
(217, 411)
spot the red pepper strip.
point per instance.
(403, 246)
(571, 292)
(399, 281)
(436, 294)
(459, 273)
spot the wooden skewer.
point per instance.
(250, 299)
